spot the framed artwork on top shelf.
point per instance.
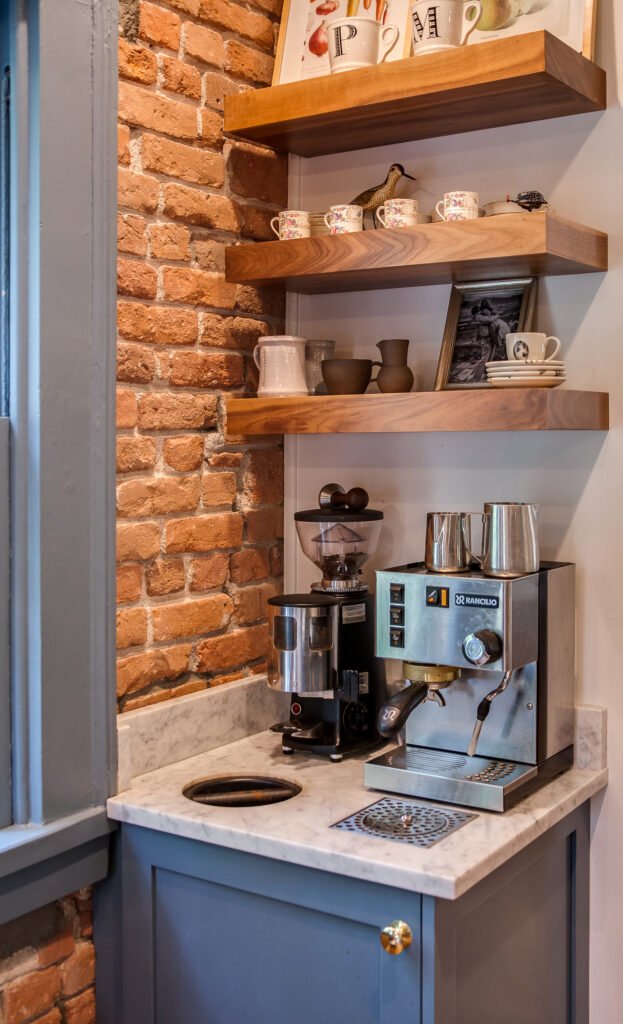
(573, 21)
(480, 315)
(302, 50)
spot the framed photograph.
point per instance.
(302, 49)
(573, 21)
(480, 315)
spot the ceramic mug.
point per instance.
(458, 206)
(344, 218)
(292, 224)
(281, 362)
(530, 345)
(359, 42)
(398, 213)
(442, 24)
(347, 376)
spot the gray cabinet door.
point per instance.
(213, 936)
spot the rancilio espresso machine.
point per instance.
(489, 709)
(321, 644)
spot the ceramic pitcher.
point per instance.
(281, 362)
(394, 374)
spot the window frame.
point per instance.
(62, 401)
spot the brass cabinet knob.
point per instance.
(396, 937)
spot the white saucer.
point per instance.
(520, 364)
(526, 382)
(532, 372)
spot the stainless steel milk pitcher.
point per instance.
(510, 544)
(447, 542)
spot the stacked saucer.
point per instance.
(526, 373)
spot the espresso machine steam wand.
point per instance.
(483, 710)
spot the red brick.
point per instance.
(210, 128)
(263, 524)
(249, 564)
(138, 191)
(188, 6)
(209, 572)
(137, 62)
(146, 700)
(179, 161)
(203, 44)
(131, 237)
(56, 948)
(230, 459)
(255, 222)
(232, 649)
(276, 560)
(165, 576)
(31, 995)
(196, 207)
(207, 370)
(218, 489)
(261, 301)
(127, 409)
(184, 284)
(140, 670)
(238, 19)
(131, 627)
(136, 279)
(263, 478)
(204, 533)
(159, 113)
(210, 256)
(156, 324)
(129, 583)
(135, 454)
(180, 77)
(239, 332)
(217, 87)
(251, 603)
(53, 1017)
(184, 453)
(157, 496)
(229, 678)
(193, 686)
(135, 364)
(78, 971)
(169, 242)
(123, 144)
(137, 542)
(176, 412)
(191, 618)
(159, 26)
(81, 1009)
(247, 63)
(271, 6)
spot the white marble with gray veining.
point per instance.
(298, 830)
(591, 737)
(164, 733)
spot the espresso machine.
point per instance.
(321, 644)
(488, 711)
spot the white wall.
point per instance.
(576, 477)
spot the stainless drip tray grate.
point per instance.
(423, 759)
(405, 821)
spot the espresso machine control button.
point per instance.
(397, 593)
(396, 615)
(482, 647)
(396, 638)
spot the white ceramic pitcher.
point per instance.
(281, 362)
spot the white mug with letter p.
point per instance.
(442, 24)
(530, 345)
(359, 42)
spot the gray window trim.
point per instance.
(5, 700)
(62, 415)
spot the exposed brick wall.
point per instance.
(199, 512)
(47, 965)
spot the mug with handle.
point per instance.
(442, 24)
(447, 542)
(510, 545)
(359, 42)
(531, 345)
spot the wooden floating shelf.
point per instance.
(524, 78)
(421, 411)
(513, 245)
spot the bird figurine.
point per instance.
(529, 200)
(371, 198)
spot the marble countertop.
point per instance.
(298, 830)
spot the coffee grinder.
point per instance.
(489, 712)
(321, 644)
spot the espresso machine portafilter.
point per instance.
(488, 714)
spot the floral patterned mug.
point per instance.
(458, 206)
(292, 224)
(398, 213)
(344, 218)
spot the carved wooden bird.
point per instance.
(372, 198)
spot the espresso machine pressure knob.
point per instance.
(482, 647)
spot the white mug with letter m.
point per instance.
(442, 24)
(359, 42)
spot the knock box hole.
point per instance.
(241, 790)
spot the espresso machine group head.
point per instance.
(489, 710)
(321, 644)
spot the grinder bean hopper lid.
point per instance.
(340, 536)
